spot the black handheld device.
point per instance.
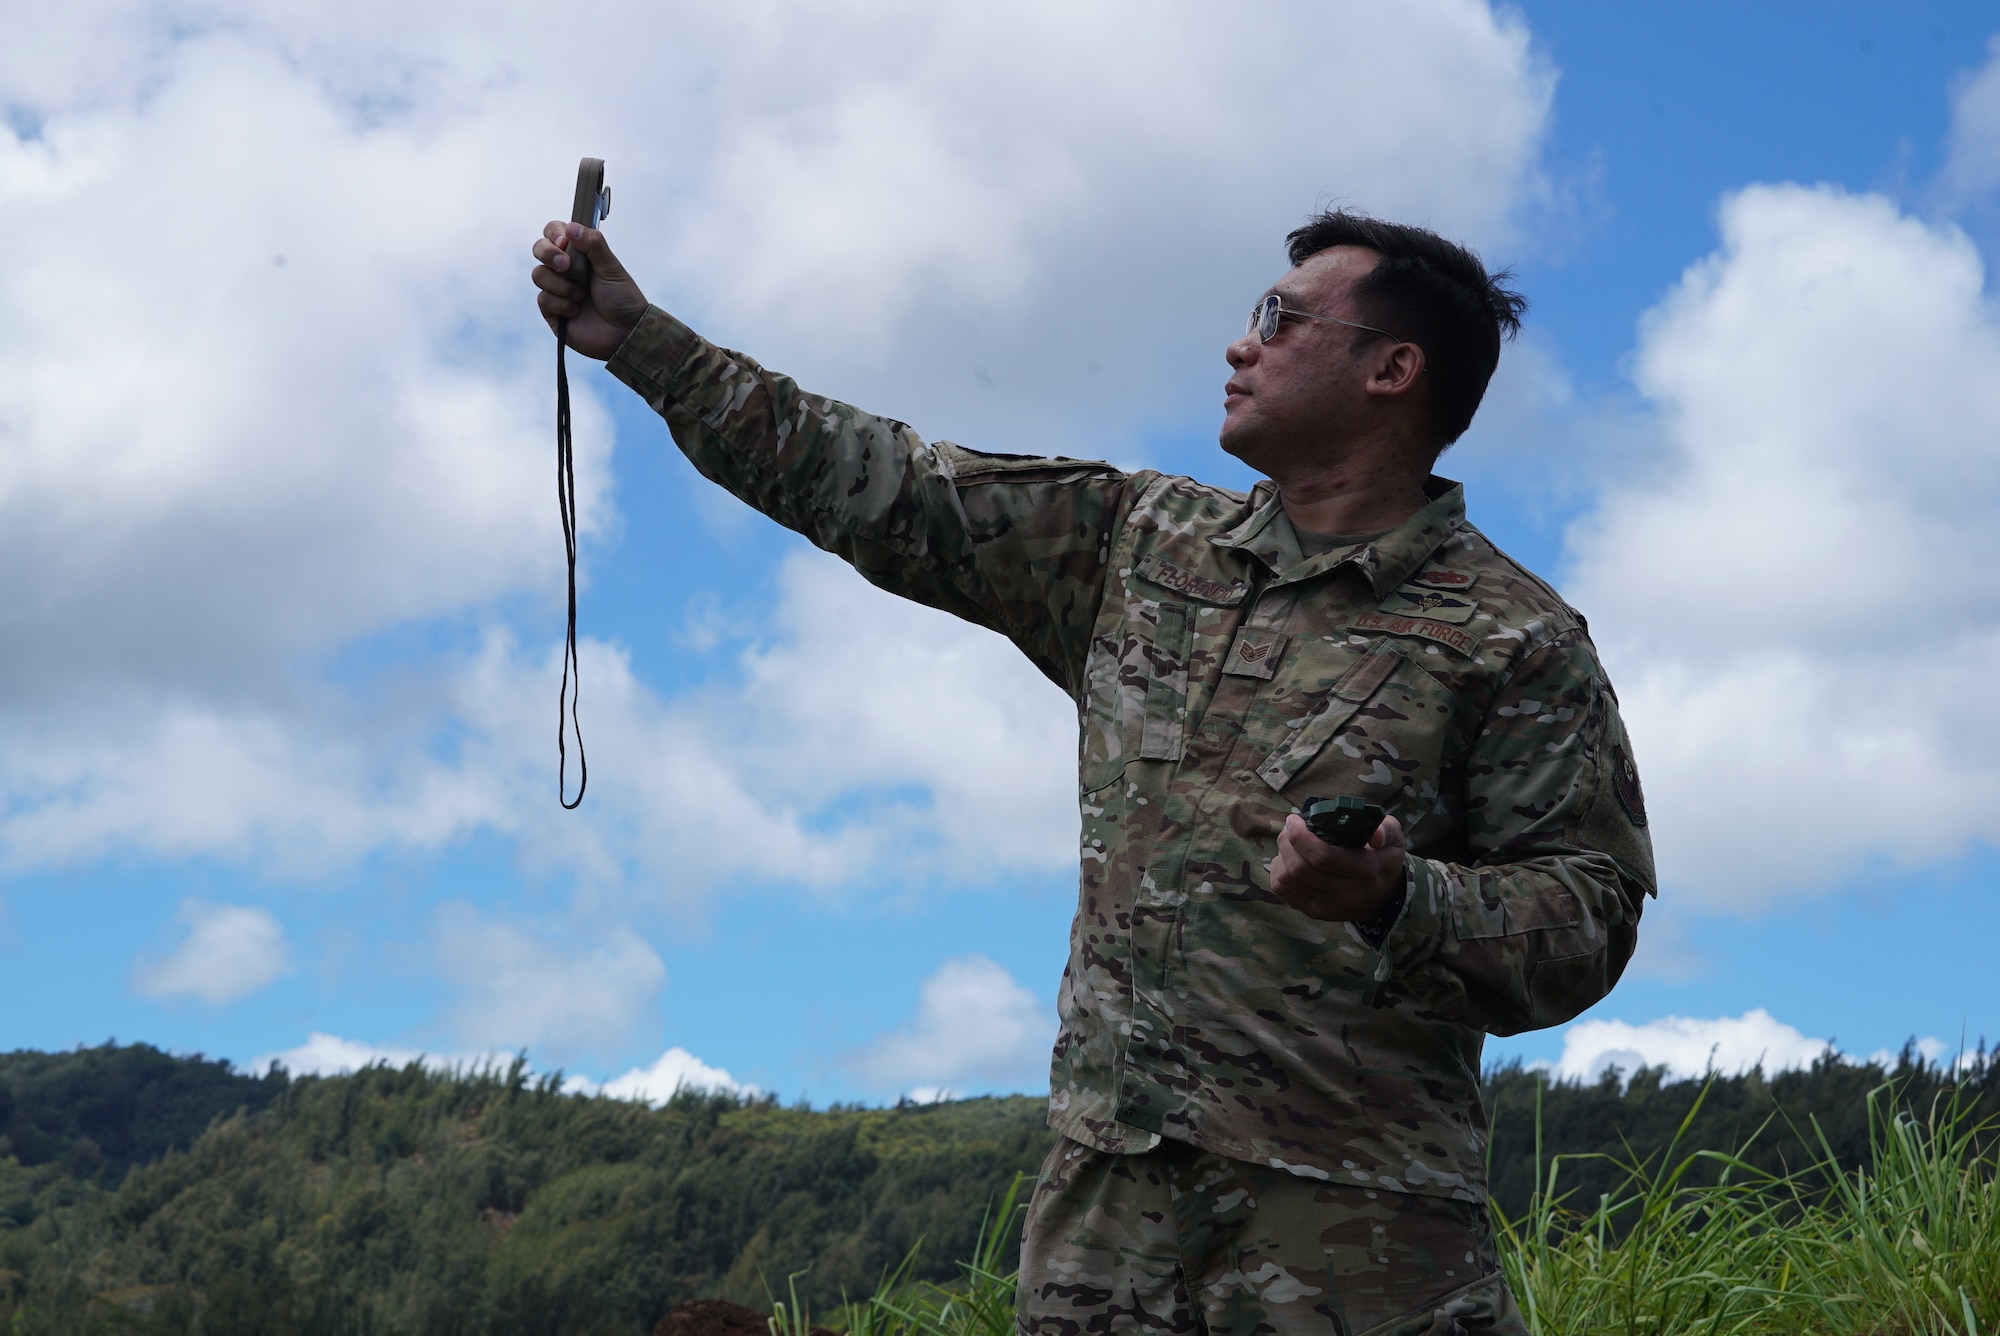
(591, 206)
(1347, 822)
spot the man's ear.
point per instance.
(1394, 369)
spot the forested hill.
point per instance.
(99, 1111)
(139, 1190)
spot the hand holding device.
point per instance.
(1347, 822)
(585, 290)
(1354, 881)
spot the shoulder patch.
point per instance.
(1160, 571)
(1463, 641)
(1445, 579)
(1625, 779)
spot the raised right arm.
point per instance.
(1014, 543)
(1017, 544)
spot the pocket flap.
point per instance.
(1346, 696)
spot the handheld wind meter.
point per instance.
(591, 206)
(1346, 822)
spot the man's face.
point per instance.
(1294, 398)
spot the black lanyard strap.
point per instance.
(566, 699)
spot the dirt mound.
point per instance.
(717, 1317)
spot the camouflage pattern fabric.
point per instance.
(1179, 1241)
(1221, 676)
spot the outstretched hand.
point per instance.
(1325, 881)
(600, 318)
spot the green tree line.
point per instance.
(145, 1192)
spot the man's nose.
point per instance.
(1242, 351)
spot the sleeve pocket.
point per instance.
(1510, 916)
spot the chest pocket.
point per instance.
(1138, 674)
(1167, 687)
(1137, 707)
(1345, 697)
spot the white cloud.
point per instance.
(861, 691)
(519, 989)
(330, 1055)
(1971, 172)
(974, 1027)
(230, 952)
(1933, 1051)
(1790, 597)
(1686, 1047)
(223, 477)
(674, 1070)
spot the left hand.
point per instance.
(1325, 881)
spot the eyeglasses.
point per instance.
(1266, 314)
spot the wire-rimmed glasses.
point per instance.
(1266, 314)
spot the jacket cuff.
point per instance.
(1414, 935)
(651, 358)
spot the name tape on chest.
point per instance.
(1160, 571)
(1463, 641)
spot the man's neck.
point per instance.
(1353, 499)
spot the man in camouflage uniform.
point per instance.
(1267, 1077)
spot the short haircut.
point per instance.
(1430, 292)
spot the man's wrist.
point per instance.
(1376, 930)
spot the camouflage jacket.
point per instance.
(1220, 677)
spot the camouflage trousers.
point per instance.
(1180, 1240)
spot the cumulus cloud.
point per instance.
(1686, 1047)
(1971, 171)
(1789, 596)
(255, 422)
(230, 952)
(975, 1026)
(673, 1071)
(522, 989)
(857, 735)
(859, 691)
(330, 1055)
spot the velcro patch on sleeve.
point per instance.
(1445, 579)
(1625, 779)
(1160, 571)
(1462, 641)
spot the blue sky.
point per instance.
(275, 773)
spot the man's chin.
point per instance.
(1230, 437)
(1241, 444)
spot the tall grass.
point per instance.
(979, 1303)
(1698, 1243)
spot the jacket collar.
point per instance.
(1387, 562)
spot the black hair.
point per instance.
(1430, 292)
